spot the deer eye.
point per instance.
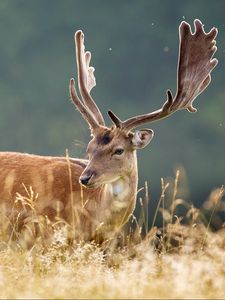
(119, 151)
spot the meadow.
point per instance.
(183, 258)
(170, 250)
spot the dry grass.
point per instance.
(186, 259)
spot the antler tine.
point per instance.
(87, 115)
(115, 119)
(195, 63)
(86, 78)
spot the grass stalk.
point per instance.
(162, 196)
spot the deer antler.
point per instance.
(86, 81)
(195, 64)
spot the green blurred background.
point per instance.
(134, 46)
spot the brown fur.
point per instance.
(49, 178)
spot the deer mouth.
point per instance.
(93, 185)
(88, 182)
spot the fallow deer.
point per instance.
(98, 195)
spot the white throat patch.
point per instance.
(119, 189)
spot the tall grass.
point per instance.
(183, 258)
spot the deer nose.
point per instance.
(85, 179)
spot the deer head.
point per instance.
(112, 151)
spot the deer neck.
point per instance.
(119, 199)
(124, 188)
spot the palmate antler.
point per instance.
(195, 64)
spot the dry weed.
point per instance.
(182, 259)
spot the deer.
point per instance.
(98, 195)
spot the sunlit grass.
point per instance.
(182, 259)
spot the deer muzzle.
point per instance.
(86, 178)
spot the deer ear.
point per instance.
(142, 138)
